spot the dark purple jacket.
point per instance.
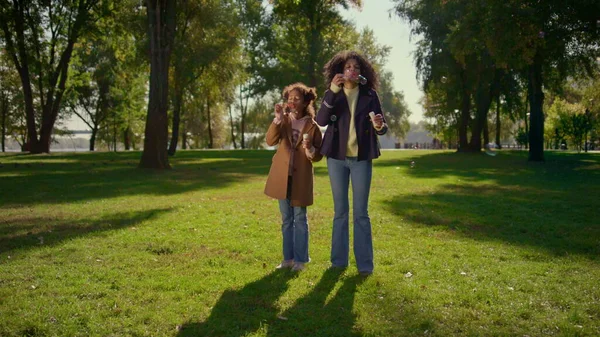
(335, 113)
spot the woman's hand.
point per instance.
(338, 80)
(378, 121)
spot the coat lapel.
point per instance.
(363, 102)
(343, 101)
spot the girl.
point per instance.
(291, 175)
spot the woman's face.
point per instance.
(296, 102)
(351, 69)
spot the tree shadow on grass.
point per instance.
(550, 205)
(28, 231)
(508, 167)
(65, 178)
(239, 312)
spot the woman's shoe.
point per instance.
(285, 264)
(298, 266)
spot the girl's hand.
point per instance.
(306, 142)
(278, 110)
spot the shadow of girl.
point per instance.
(312, 316)
(239, 312)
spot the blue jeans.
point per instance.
(340, 174)
(295, 232)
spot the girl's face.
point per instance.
(296, 102)
(351, 69)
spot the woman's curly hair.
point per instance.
(309, 94)
(336, 66)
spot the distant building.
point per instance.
(417, 137)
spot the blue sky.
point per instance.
(390, 30)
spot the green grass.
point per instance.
(496, 246)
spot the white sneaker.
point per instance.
(298, 266)
(285, 264)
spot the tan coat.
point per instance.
(302, 172)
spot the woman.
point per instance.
(291, 175)
(352, 113)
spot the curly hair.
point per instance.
(336, 66)
(309, 94)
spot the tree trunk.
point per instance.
(176, 117)
(4, 111)
(20, 58)
(183, 139)
(465, 118)
(486, 132)
(114, 131)
(498, 122)
(485, 90)
(243, 109)
(232, 128)
(127, 139)
(210, 135)
(161, 28)
(93, 138)
(536, 101)
(526, 119)
(480, 119)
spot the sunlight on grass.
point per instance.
(464, 245)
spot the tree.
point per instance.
(107, 77)
(571, 121)
(10, 102)
(40, 37)
(161, 30)
(310, 20)
(546, 41)
(206, 30)
(260, 115)
(259, 71)
(92, 101)
(550, 40)
(394, 106)
(443, 67)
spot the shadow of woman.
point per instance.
(313, 315)
(239, 312)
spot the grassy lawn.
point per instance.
(466, 245)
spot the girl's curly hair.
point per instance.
(309, 94)
(336, 66)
